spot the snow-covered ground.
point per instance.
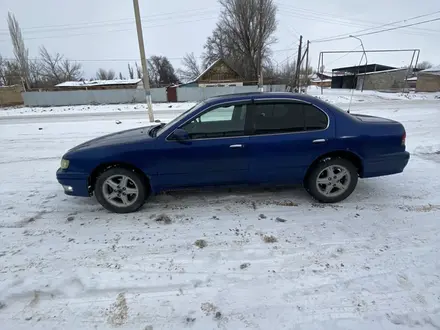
(343, 96)
(340, 97)
(370, 262)
(98, 109)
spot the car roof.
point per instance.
(263, 95)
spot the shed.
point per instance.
(429, 80)
(346, 77)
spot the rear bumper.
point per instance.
(385, 165)
(74, 184)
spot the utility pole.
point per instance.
(298, 63)
(307, 64)
(146, 78)
(260, 50)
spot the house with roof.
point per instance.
(218, 74)
(100, 84)
(428, 80)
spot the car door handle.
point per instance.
(319, 141)
(235, 146)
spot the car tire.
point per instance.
(120, 190)
(332, 180)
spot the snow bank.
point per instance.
(104, 108)
(343, 96)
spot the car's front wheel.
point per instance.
(332, 180)
(120, 190)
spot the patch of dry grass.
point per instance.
(269, 239)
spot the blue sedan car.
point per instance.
(242, 139)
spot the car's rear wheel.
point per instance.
(332, 180)
(120, 190)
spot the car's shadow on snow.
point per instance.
(252, 197)
(196, 198)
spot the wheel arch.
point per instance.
(101, 168)
(344, 154)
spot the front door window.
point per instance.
(222, 121)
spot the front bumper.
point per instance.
(74, 184)
(385, 165)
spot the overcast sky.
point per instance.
(102, 33)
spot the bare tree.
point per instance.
(10, 73)
(243, 35)
(120, 76)
(161, 72)
(2, 71)
(130, 71)
(35, 74)
(424, 65)
(70, 70)
(285, 73)
(217, 46)
(191, 69)
(138, 71)
(21, 53)
(55, 69)
(103, 74)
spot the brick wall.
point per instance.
(10, 95)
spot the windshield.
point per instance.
(181, 116)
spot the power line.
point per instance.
(329, 21)
(287, 59)
(383, 25)
(375, 32)
(432, 33)
(330, 18)
(111, 31)
(155, 17)
(123, 59)
(398, 27)
(341, 57)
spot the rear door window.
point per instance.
(315, 119)
(277, 117)
(286, 117)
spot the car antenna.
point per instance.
(354, 87)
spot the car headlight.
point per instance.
(64, 164)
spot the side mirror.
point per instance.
(180, 135)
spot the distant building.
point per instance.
(347, 77)
(386, 80)
(100, 84)
(218, 74)
(321, 79)
(428, 80)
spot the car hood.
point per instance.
(119, 138)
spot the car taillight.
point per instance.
(404, 139)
